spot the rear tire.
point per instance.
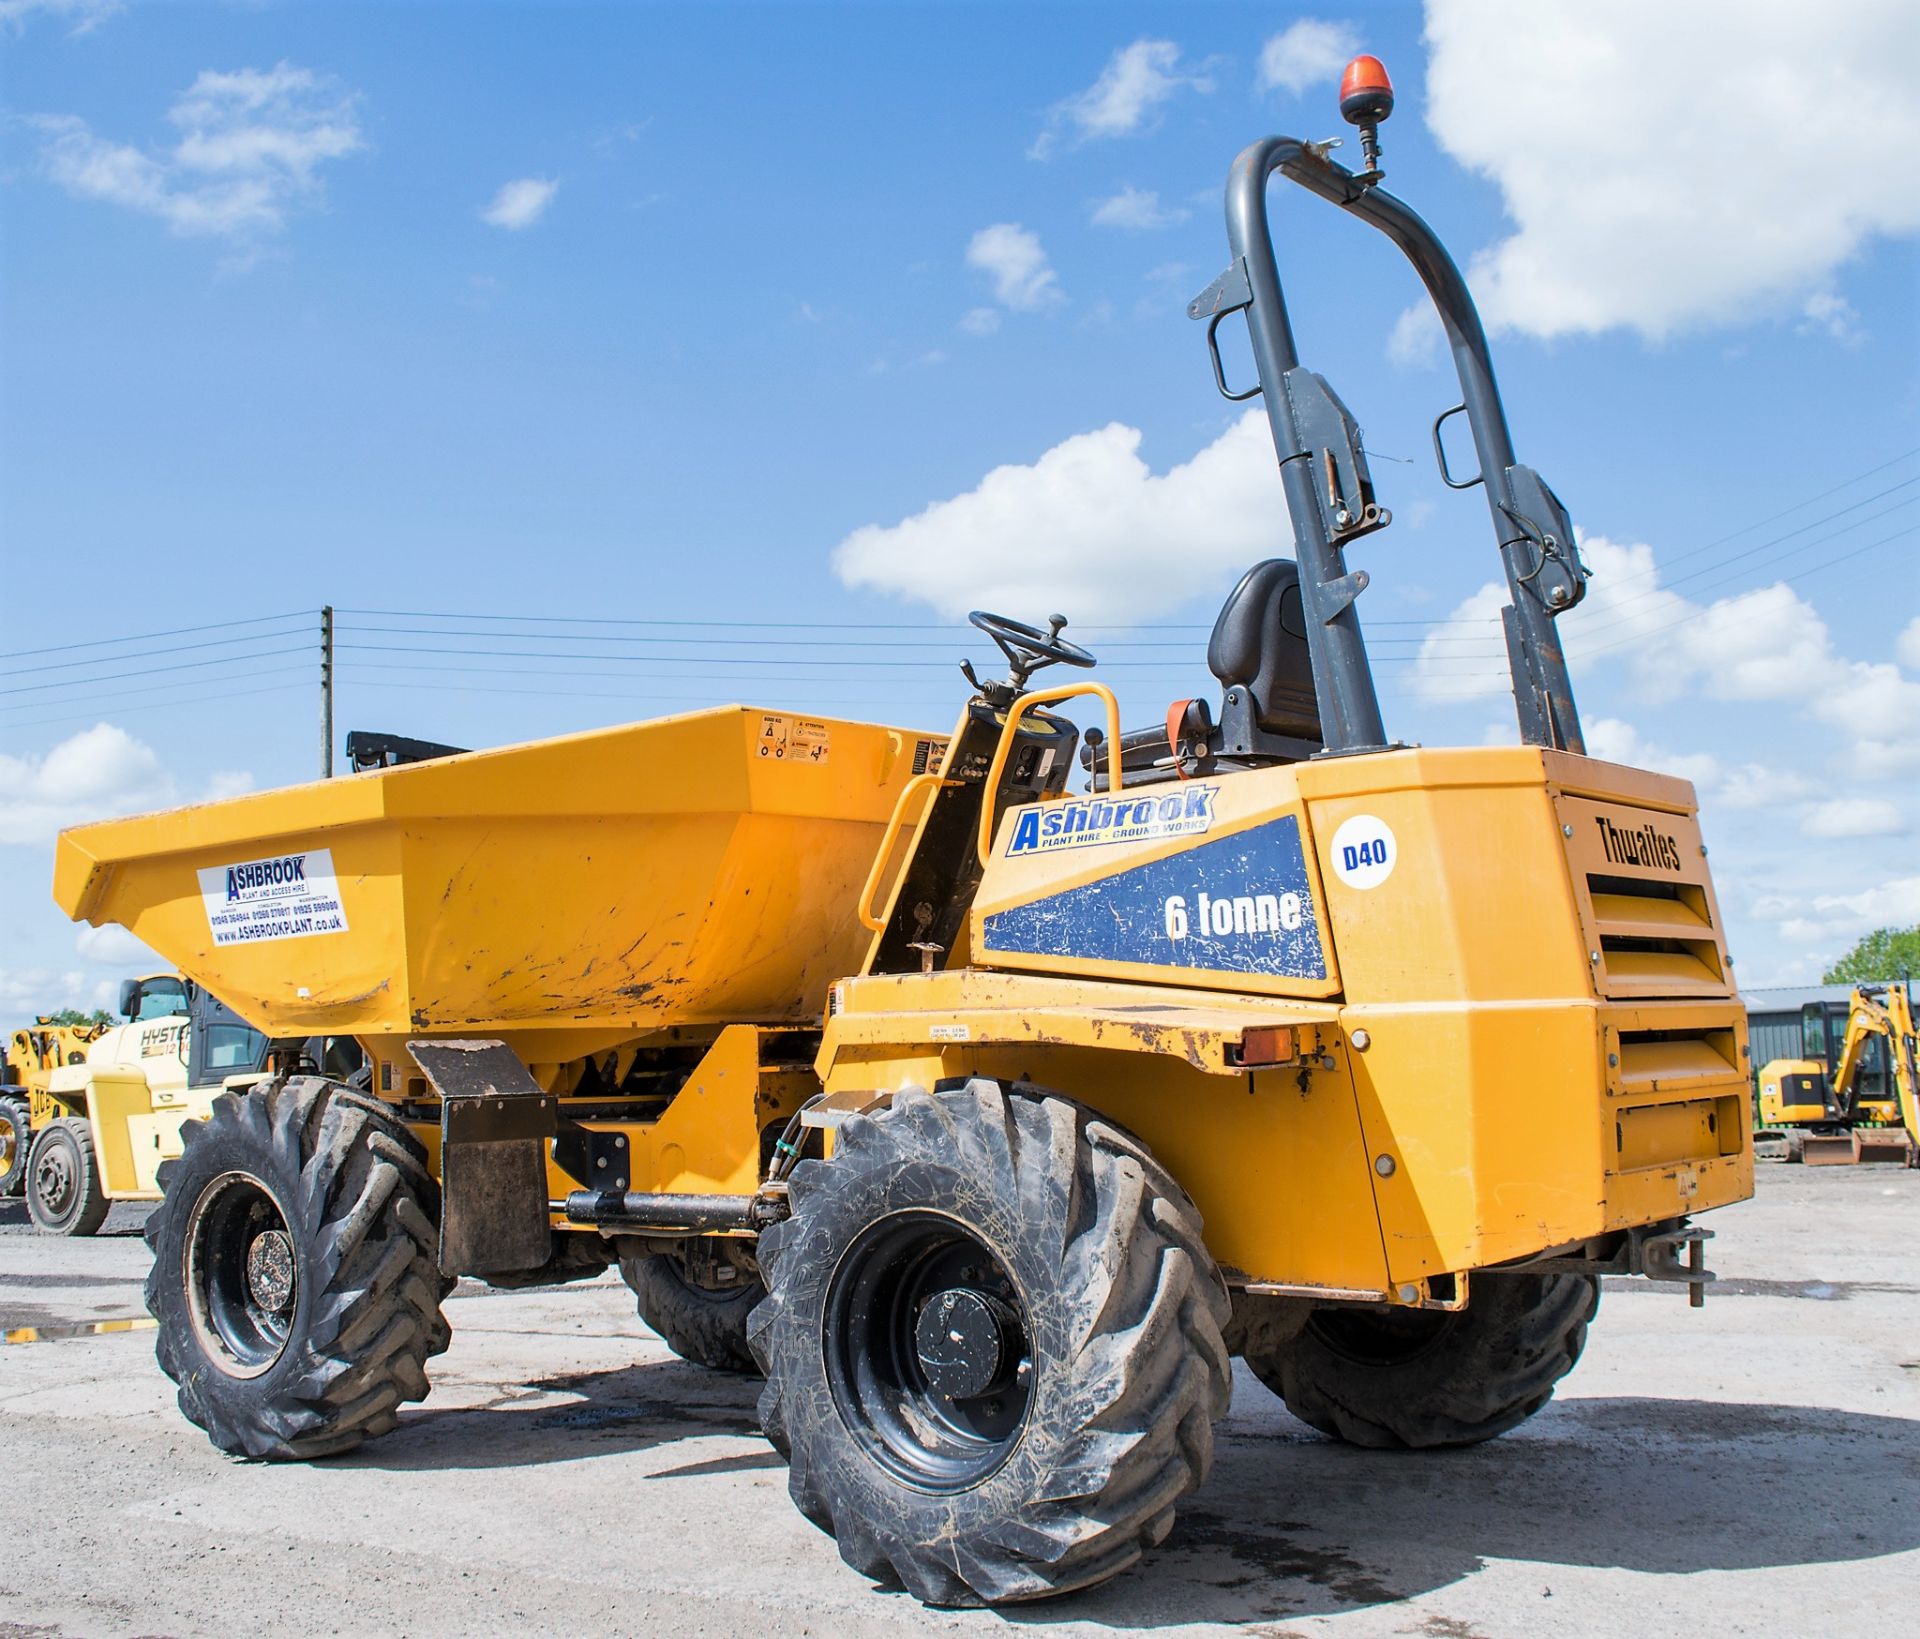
(1419, 1378)
(16, 1138)
(294, 1274)
(702, 1320)
(64, 1193)
(992, 1344)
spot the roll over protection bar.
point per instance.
(1323, 466)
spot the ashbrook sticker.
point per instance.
(1085, 822)
(291, 896)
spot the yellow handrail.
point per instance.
(1043, 697)
(913, 787)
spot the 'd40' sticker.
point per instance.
(1364, 851)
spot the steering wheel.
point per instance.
(1027, 648)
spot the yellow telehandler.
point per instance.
(32, 1053)
(986, 1117)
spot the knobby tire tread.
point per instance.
(1124, 1429)
(362, 1207)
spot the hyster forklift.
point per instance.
(988, 1119)
(107, 1105)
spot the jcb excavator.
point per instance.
(1856, 1094)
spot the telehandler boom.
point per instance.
(986, 1118)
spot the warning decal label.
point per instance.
(290, 896)
(793, 739)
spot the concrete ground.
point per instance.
(1750, 1468)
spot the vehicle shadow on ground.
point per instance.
(632, 1408)
(1292, 1525)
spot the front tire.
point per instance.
(992, 1344)
(699, 1314)
(1419, 1378)
(16, 1139)
(295, 1279)
(64, 1192)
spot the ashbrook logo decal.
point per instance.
(292, 896)
(265, 873)
(1090, 821)
(1645, 847)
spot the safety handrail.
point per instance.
(1008, 734)
(920, 782)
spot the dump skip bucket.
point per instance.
(564, 895)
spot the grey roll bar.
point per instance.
(1323, 464)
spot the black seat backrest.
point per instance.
(1259, 653)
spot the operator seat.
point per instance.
(1258, 651)
(1269, 712)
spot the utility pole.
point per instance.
(326, 692)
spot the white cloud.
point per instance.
(980, 321)
(1012, 257)
(110, 945)
(1828, 314)
(1306, 54)
(1614, 741)
(1907, 645)
(1832, 921)
(1649, 193)
(228, 782)
(84, 15)
(1766, 647)
(25, 991)
(1417, 339)
(96, 774)
(1137, 208)
(1136, 81)
(1742, 785)
(520, 203)
(1853, 817)
(1087, 528)
(249, 150)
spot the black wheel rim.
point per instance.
(55, 1183)
(1380, 1337)
(242, 1275)
(10, 1145)
(928, 1351)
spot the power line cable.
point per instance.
(141, 637)
(121, 694)
(146, 671)
(143, 654)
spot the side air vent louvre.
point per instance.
(1656, 938)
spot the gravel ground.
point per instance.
(1750, 1468)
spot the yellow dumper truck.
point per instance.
(986, 1117)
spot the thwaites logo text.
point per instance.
(1646, 847)
(1087, 822)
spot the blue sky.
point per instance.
(775, 317)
